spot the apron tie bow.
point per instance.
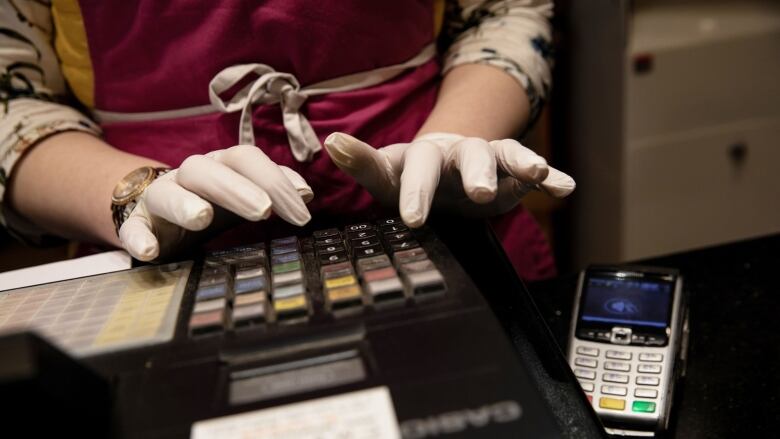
(270, 87)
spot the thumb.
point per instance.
(370, 167)
(557, 184)
(349, 153)
(138, 238)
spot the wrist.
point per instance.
(481, 101)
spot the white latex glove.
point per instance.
(469, 175)
(241, 180)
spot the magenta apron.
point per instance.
(153, 56)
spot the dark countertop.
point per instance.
(732, 385)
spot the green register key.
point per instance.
(287, 267)
(643, 406)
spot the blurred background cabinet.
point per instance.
(671, 112)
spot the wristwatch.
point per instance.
(128, 189)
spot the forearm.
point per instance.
(479, 101)
(64, 185)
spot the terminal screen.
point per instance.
(617, 301)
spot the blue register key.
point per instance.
(284, 250)
(250, 285)
(290, 240)
(285, 258)
(211, 292)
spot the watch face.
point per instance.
(128, 186)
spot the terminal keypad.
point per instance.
(611, 368)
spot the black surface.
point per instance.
(732, 385)
(45, 393)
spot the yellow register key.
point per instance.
(344, 293)
(290, 304)
(340, 281)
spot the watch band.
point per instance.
(121, 207)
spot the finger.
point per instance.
(558, 184)
(477, 164)
(369, 167)
(138, 239)
(223, 186)
(252, 163)
(510, 192)
(300, 185)
(167, 200)
(420, 177)
(519, 161)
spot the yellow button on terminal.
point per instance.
(612, 403)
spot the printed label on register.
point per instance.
(362, 414)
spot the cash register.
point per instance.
(365, 330)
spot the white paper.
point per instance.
(69, 269)
(361, 414)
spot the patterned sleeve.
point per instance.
(513, 35)
(31, 87)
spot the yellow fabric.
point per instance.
(438, 16)
(70, 42)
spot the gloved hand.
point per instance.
(241, 180)
(469, 175)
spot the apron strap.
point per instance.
(272, 87)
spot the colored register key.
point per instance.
(340, 281)
(290, 306)
(249, 313)
(345, 296)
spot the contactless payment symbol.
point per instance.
(620, 306)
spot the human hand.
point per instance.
(472, 176)
(241, 180)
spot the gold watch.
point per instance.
(128, 189)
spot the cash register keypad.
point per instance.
(363, 266)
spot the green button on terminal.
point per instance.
(643, 406)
